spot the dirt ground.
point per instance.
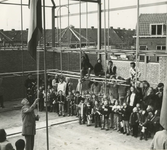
(73, 136)
(13, 118)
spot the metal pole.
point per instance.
(53, 26)
(137, 38)
(61, 63)
(99, 28)
(68, 35)
(86, 23)
(80, 37)
(22, 34)
(45, 74)
(108, 24)
(53, 33)
(105, 46)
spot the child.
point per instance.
(115, 109)
(97, 114)
(125, 117)
(55, 102)
(142, 123)
(70, 101)
(52, 98)
(105, 115)
(77, 100)
(20, 144)
(89, 112)
(61, 101)
(134, 122)
(111, 104)
(47, 98)
(82, 114)
(41, 98)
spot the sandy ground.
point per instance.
(13, 118)
(72, 136)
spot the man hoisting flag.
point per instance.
(160, 138)
(35, 27)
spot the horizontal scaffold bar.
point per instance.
(21, 73)
(93, 78)
(111, 51)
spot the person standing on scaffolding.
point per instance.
(86, 66)
(134, 72)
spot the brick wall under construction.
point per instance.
(18, 61)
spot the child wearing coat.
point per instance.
(134, 122)
(105, 115)
(97, 114)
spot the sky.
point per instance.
(10, 17)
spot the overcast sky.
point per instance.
(10, 17)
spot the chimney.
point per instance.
(111, 27)
(92, 27)
(26, 29)
(13, 29)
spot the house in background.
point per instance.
(70, 36)
(152, 33)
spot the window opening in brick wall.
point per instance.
(158, 29)
(142, 47)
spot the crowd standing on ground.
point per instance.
(132, 108)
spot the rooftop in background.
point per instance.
(146, 20)
(117, 37)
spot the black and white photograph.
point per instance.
(83, 75)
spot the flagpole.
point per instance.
(45, 74)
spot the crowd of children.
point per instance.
(132, 108)
(129, 109)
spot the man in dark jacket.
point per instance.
(28, 119)
(86, 66)
(98, 68)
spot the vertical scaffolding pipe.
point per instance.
(86, 24)
(61, 63)
(53, 33)
(22, 52)
(99, 28)
(45, 74)
(80, 37)
(105, 47)
(137, 35)
(137, 40)
(53, 26)
(108, 24)
(68, 35)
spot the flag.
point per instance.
(163, 116)
(35, 27)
